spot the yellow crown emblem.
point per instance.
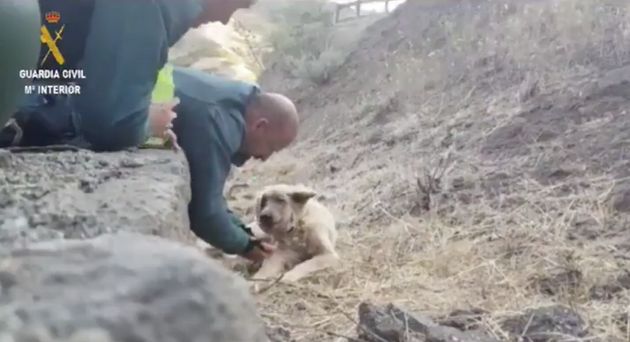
(53, 17)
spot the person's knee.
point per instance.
(114, 136)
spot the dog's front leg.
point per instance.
(271, 267)
(309, 266)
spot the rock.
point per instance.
(623, 322)
(549, 172)
(131, 163)
(546, 324)
(464, 320)
(614, 77)
(122, 287)
(620, 198)
(278, 334)
(84, 194)
(567, 281)
(389, 323)
(609, 290)
(5, 159)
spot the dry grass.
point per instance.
(435, 267)
(502, 234)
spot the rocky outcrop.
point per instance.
(97, 247)
(81, 195)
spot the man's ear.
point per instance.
(261, 123)
(300, 196)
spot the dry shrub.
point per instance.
(303, 40)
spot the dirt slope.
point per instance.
(476, 155)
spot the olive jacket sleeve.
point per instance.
(210, 128)
(208, 134)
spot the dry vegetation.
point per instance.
(301, 42)
(476, 156)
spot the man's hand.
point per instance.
(260, 251)
(161, 116)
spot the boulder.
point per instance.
(80, 195)
(122, 287)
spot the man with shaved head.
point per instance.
(271, 123)
(221, 123)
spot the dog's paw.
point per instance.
(255, 286)
(290, 278)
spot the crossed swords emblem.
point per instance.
(47, 39)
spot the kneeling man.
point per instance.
(220, 123)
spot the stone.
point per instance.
(278, 334)
(609, 290)
(464, 320)
(123, 287)
(389, 323)
(545, 324)
(620, 198)
(80, 195)
(5, 159)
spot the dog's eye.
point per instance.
(263, 202)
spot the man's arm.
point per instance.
(209, 162)
(212, 223)
(125, 48)
(220, 230)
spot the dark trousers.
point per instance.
(120, 48)
(41, 121)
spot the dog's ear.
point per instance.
(301, 195)
(258, 204)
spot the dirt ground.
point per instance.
(476, 155)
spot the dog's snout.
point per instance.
(266, 219)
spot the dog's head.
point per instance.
(278, 207)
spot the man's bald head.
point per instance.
(279, 110)
(271, 124)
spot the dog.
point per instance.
(302, 228)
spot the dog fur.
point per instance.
(303, 229)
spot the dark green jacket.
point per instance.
(121, 45)
(210, 128)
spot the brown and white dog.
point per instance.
(303, 229)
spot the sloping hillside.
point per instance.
(476, 155)
(218, 49)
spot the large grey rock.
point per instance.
(82, 194)
(122, 287)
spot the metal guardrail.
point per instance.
(357, 8)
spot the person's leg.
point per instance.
(39, 121)
(125, 47)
